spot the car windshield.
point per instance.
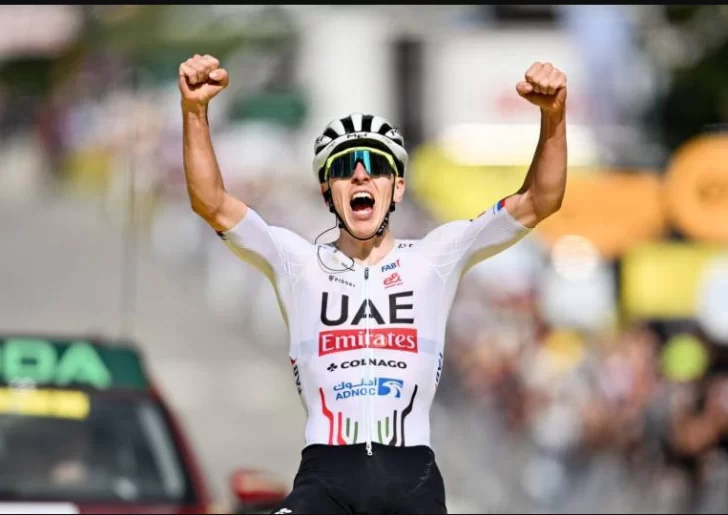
(88, 447)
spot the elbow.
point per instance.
(545, 206)
(198, 207)
(205, 209)
(533, 207)
(555, 206)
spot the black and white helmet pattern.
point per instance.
(358, 128)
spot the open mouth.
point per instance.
(362, 203)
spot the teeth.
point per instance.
(362, 194)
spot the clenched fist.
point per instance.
(545, 87)
(200, 79)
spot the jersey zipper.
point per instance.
(369, 357)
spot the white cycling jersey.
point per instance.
(366, 341)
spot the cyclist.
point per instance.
(366, 314)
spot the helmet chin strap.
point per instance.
(342, 225)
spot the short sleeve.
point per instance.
(268, 248)
(456, 246)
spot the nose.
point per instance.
(360, 174)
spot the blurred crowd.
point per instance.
(632, 417)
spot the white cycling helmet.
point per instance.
(359, 129)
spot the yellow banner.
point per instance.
(613, 209)
(662, 280)
(454, 191)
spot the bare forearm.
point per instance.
(201, 79)
(545, 183)
(202, 173)
(205, 186)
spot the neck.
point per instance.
(369, 251)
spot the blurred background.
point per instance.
(586, 368)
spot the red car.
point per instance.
(84, 430)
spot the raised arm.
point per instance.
(545, 184)
(200, 80)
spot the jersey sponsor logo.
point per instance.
(439, 368)
(389, 430)
(377, 386)
(397, 313)
(391, 266)
(355, 363)
(296, 375)
(343, 340)
(334, 279)
(392, 280)
(405, 245)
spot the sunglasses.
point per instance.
(342, 164)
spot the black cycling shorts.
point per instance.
(345, 480)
